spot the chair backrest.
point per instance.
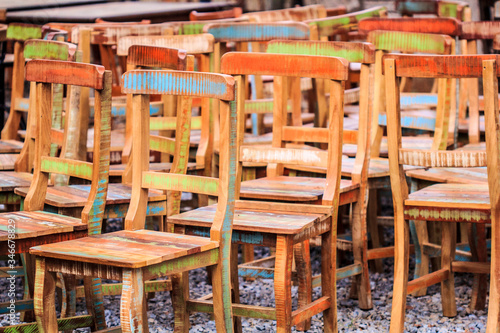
(443, 26)
(141, 84)
(223, 14)
(336, 11)
(48, 72)
(363, 53)
(310, 12)
(409, 42)
(331, 26)
(48, 50)
(201, 46)
(150, 57)
(454, 9)
(444, 67)
(196, 27)
(283, 66)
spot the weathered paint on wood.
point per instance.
(445, 26)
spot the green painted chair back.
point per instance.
(46, 73)
(283, 66)
(453, 9)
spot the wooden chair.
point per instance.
(453, 9)
(448, 203)
(298, 14)
(336, 11)
(155, 254)
(223, 14)
(202, 47)
(292, 224)
(32, 226)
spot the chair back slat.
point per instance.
(289, 14)
(181, 183)
(444, 26)
(162, 144)
(480, 30)
(192, 44)
(109, 34)
(305, 134)
(196, 27)
(317, 158)
(178, 83)
(72, 168)
(274, 64)
(411, 42)
(223, 14)
(154, 56)
(442, 159)
(351, 51)
(169, 123)
(69, 73)
(49, 50)
(257, 32)
(23, 31)
(330, 26)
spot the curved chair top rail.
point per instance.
(440, 66)
(444, 26)
(410, 42)
(351, 51)
(196, 27)
(23, 31)
(310, 12)
(50, 50)
(156, 56)
(223, 14)
(65, 72)
(179, 83)
(480, 30)
(248, 63)
(193, 44)
(110, 33)
(255, 32)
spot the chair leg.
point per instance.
(329, 279)
(221, 288)
(283, 283)
(44, 298)
(304, 274)
(180, 295)
(235, 285)
(360, 252)
(95, 301)
(28, 262)
(493, 324)
(133, 306)
(420, 235)
(401, 262)
(448, 247)
(372, 224)
(477, 242)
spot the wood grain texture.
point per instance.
(351, 51)
(301, 13)
(245, 63)
(443, 159)
(223, 14)
(23, 31)
(445, 26)
(254, 32)
(50, 50)
(157, 56)
(480, 30)
(411, 42)
(179, 83)
(51, 71)
(193, 44)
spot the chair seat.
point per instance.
(10, 146)
(37, 224)
(77, 195)
(7, 161)
(265, 221)
(284, 188)
(462, 196)
(451, 175)
(129, 249)
(9, 180)
(117, 169)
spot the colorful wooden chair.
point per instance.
(446, 203)
(291, 224)
(453, 9)
(33, 226)
(153, 254)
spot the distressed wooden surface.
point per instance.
(410, 42)
(451, 175)
(162, 57)
(193, 44)
(144, 248)
(288, 14)
(23, 31)
(230, 32)
(223, 14)
(480, 30)
(445, 26)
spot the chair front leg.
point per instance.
(360, 252)
(133, 307)
(328, 278)
(448, 247)
(479, 251)
(493, 325)
(283, 283)
(44, 298)
(180, 295)
(304, 275)
(221, 287)
(94, 301)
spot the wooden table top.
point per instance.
(116, 11)
(38, 4)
